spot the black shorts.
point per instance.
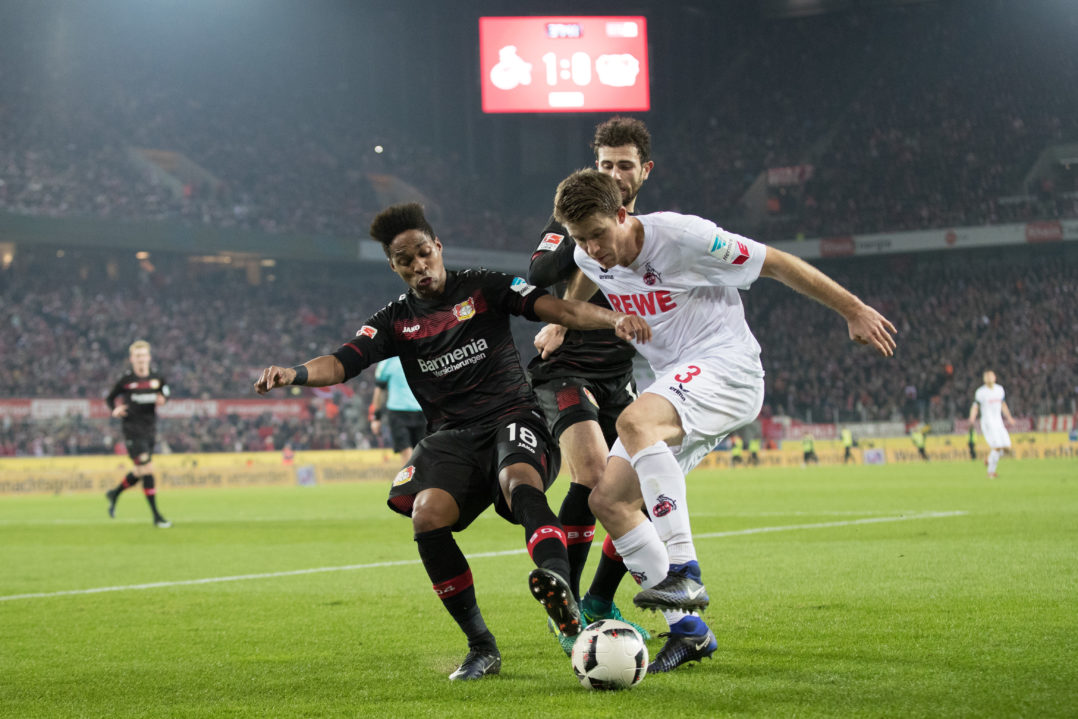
(466, 463)
(568, 400)
(405, 428)
(139, 448)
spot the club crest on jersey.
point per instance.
(521, 286)
(651, 275)
(465, 310)
(366, 331)
(155, 384)
(404, 476)
(590, 396)
(550, 241)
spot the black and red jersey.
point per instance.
(140, 395)
(595, 354)
(457, 350)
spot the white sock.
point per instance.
(993, 460)
(662, 485)
(644, 554)
(673, 616)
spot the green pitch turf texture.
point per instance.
(958, 599)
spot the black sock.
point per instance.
(151, 495)
(608, 574)
(579, 524)
(542, 530)
(129, 481)
(451, 578)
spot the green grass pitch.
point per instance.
(897, 591)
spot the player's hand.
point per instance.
(160, 400)
(274, 376)
(376, 427)
(869, 327)
(632, 327)
(549, 339)
(119, 410)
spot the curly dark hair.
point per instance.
(396, 219)
(619, 131)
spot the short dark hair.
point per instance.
(619, 131)
(584, 193)
(396, 219)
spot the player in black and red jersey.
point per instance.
(585, 382)
(488, 442)
(135, 398)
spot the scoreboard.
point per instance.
(564, 64)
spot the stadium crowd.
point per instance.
(908, 122)
(66, 338)
(955, 319)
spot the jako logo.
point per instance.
(663, 506)
(413, 328)
(469, 350)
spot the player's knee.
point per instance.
(604, 504)
(588, 470)
(636, 429)
(434, 510)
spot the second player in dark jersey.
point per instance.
(135, 398)
(488, 442)
(584, 383)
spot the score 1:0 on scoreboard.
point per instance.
(564, 64)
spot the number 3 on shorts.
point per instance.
(692, 371)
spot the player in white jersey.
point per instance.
(682, 273)
(995, 416)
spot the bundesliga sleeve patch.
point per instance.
(729, 250)
(550, 241)
(366, 331)
(521, 286)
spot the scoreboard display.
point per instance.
(564, 64)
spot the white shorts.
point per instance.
(995, 435)
(711, 401)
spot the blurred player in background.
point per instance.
(683, 273)
(489, 443)
(135, 398)
(847, 445)
(584, 379)
(971, 439)
(995, 416)
(917, 436)
(808, 450)
(394, 399)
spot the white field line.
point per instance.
(405, 562)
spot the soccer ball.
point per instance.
(610, 654)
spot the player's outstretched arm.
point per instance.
(866, 325)
(550, 337)
(578, 315)
(321, 372)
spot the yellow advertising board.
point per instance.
(36, 475)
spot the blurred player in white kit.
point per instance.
(988, 402)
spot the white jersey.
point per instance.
(684, 283)
(990, 400)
